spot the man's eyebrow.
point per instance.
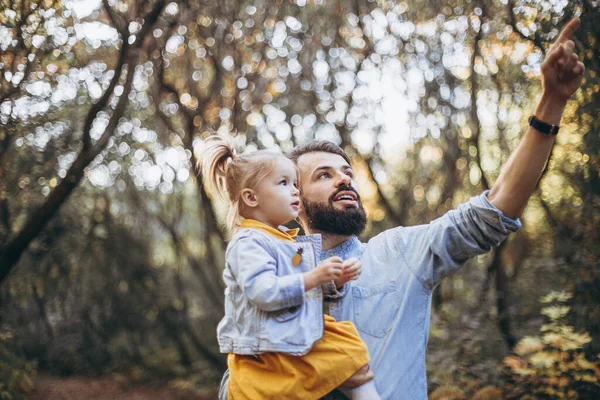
(329, 167)
(321, 168)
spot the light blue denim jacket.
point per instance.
(390, 303)
(266, 307)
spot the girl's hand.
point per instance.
(351, 271)
(328, 270)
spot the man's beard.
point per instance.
(324, 217)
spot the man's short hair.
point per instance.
(315, 146)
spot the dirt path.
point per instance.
(101, 388)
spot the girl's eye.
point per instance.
(283, 182)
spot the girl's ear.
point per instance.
(249, 198)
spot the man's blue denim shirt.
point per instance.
(390, 303)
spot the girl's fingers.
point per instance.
(334, 263)
(354, 275)
(350, 269)
(351, 261)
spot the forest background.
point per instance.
(111, 251)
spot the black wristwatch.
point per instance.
(543, 127)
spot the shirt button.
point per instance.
(330, 254)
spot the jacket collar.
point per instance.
(282, 233)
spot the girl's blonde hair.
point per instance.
(226, 174)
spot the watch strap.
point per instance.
(543, 127)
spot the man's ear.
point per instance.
(249, 198)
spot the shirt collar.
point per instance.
(343, 250)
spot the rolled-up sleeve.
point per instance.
(435, 250)
(255, 271)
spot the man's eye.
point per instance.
(324, 175)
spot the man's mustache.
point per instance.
(345, 189)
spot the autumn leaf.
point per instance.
(543, 359)
(583, 363)
(561, 296)
(528, 345)
(555, 312)
(512, 362)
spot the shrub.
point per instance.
(16, 374)
(553, 364)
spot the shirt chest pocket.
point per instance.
(375, 307)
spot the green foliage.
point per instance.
(553, 363)
(16, 373)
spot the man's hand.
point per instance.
(328, 270)
(351, 271)
(361, 377)
(562, 72)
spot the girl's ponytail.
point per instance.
(226, 174)
(214, 163)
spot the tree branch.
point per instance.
(397, 217)
(207, 207)
(474, 111)
(21, 45)
(512, 19)
(214, 295)
(38, 220)
(117, 20)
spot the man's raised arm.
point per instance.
(562, 73)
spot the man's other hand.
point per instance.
(359, 378)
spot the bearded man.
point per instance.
(390, 303)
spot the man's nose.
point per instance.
(343, 180)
